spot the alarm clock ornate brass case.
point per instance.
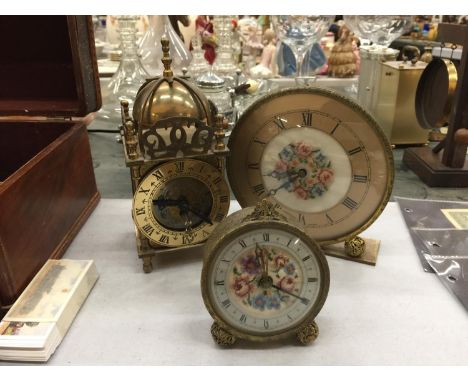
(174, 146)
(319, 155)
(263, 278)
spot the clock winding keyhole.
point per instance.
(265, 282)
(302, 173)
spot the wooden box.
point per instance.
(48, 79)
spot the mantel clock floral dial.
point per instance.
(180, 202)
(319, 155)
(264, 280)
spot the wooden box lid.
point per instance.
(48, 66)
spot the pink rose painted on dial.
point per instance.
(294, 163)
(303, 150)
(311, 181)
(242, 285)
(280, 260)
(325, 176)
(301, 192)
(281, 166)
(286, 283)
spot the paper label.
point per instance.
(20, 329)
(458, 217)
(47, 295)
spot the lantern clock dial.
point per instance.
(317, 154)
(180, 202)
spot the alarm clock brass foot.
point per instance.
(221, 336)
(147, 264)
(355, 247)
(308, 334)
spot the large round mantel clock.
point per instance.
(320, 156)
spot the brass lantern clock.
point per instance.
(174, 146)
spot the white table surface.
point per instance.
(390, 314)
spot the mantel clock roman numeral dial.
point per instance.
(327, 163)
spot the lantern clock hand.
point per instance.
(183, 206)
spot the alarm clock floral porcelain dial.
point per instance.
(180, 202)
(316, 153)
(263, 279)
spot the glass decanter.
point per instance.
(150, 47)
(130, 74)
(198, 65)
(224, 64)
(214, 87)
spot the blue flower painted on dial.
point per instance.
(287, 153)
(259, 302)
(273, 302)
(289, 268)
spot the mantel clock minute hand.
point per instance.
(291, 179)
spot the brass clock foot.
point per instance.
(221, 336)
(355, 247)
(307, 334)
(147, 264)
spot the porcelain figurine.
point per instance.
(267, 66)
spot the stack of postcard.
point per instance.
(37, 322)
